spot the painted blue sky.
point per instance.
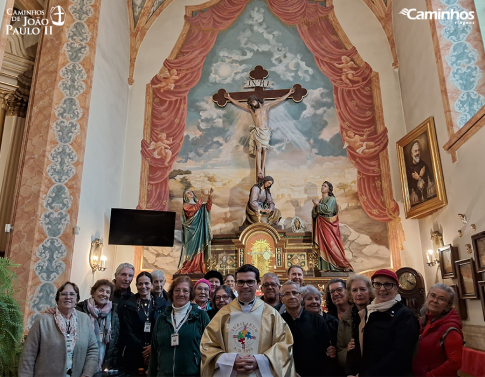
(214, 135)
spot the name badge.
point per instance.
(147, 327)
(175, 340)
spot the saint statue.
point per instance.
(326, 232)
(297, 225)
(196, 233)
(260, 206)
(259, 132)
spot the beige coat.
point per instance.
(44, 353)
(344, 336)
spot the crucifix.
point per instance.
(259, 132)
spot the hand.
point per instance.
(315, 202)
(416, 176)
(331, 352)
(292, 90)
(422, 171)
(227, 95)
(146, 351)
(211, 191)
(245, 364)
(351, 345)
(49, 311)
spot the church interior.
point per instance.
(130, 104)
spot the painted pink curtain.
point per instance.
(354, 105)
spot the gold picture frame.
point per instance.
(422, 183)
(448, 255)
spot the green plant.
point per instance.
(11, 321)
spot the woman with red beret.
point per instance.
(389, 331)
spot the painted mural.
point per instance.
(305, 148)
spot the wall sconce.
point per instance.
(96, 260)
(430, 255)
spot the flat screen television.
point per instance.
(141, 227)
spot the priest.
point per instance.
(247, 337)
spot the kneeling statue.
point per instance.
(260, 206)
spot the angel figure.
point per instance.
(168, 79)
(359, 143)
(347, 72)
(162, 147)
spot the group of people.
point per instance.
(219, 327)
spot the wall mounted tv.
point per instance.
(141, 228)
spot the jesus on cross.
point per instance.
(259, 132)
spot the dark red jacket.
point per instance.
(431, 358)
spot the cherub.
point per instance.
(168, 79)
(347, 73)
(359, 143)
(162, 147)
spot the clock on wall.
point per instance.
(411, 288)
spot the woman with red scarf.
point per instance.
(441, 340)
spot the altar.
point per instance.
(270, 249)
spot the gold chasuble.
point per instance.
(262, 331)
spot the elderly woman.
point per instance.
(202, 294)
(231, 282)
(196, 233)
(336, 298)
(222, 296)
(103, 314)
(360, 294)
(61, 344)
(389, 330)
(137, 319)
(158, 284)
(312, 299)
(441, 341)
(177, 334)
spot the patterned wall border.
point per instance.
(449, 39)
(47, 204)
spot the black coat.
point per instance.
(389, 344)
(312, 335)
(110, 360)
(132, 335)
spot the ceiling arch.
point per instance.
(143, 13)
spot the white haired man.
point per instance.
(314, 336)
(123, 277)
(159, 281)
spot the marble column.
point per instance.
(49, 181)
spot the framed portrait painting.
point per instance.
(447, 257)
(478, 242)
(467, 279)
(422, 182)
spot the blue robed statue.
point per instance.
(196, 233)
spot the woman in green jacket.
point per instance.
(176, 338)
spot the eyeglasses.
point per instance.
(68, 294)
(222, 298)
(201, 289)
(291, 293)
(272, 285)
(440, 299)
(250, 283)
(179, 291)
(386, 286)
(337, 290)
